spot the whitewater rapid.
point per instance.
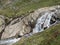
(9, 41)
(43, 22)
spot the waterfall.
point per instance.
(43, 22)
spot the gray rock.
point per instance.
(20, 27)
(2, 22)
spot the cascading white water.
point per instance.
(9, 41)
(43, 21)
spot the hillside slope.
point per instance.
(13, 8)
(50, 36)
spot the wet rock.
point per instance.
(48, 18)
(44, 22)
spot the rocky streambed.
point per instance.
(35, 22)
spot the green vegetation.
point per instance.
(50, 36)
(13, 8)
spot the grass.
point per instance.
(20, 7)
(50, 36)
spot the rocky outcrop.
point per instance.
(20, 27)
(24, 26)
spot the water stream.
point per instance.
(42, 23)
(9, 41)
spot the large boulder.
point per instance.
(20, 26)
